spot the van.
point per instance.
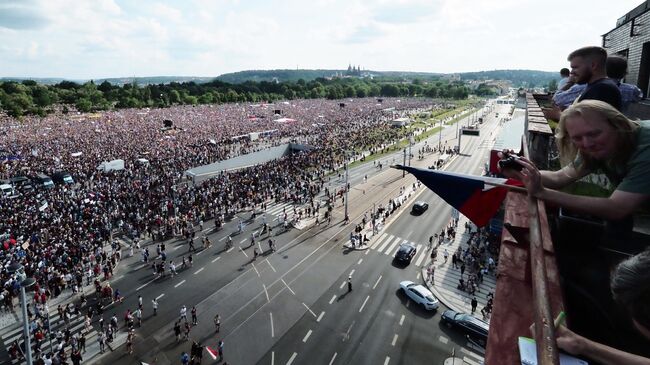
(6, 190)
(62, 178)
(114, 165)
(43, 181)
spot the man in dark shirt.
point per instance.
(588, 66)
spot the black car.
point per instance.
(474, 328)
(405, 253)
(420, 207)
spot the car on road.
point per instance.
(419, 294)
(419, 207)
(474, 328)
(405, 253)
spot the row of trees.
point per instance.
(29, 97)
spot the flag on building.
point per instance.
(477, 197)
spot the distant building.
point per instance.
(353, 71)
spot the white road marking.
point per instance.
(272, 331)
(222, 238)
(145, 284)
(176, 248)
(359, 262)
(271, 266)
(258, 273)
(342, 285)
(306, 336)
(121, 276)
(267, 294)
(200, 252)
(351, 272)
(383, 245)
(387, 360)
(244, 252)
(332, 360)
(377, 282)
(418, 275)
(394, 340)
(470, 353)
(230, 249)
(333, 298)
(292, 358)
(179, 284)
(160, 296)
(401, 320)
(287, 285)
(378, 240)
(394, 247)
(364, 303)
(423, 254)
(215, 260)
(443, 339)
(470, 361)
(199, 270)
(367, 252)
(310, 311)
(242, 241)
(320, 316)
(272, 357)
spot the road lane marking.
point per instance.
(222, 238)
(179, 284)
(320, 316)
(381, 238)
(176, 248)
(418, 275)
(230, 249)
(394, 340)
(392, 250)
(267, 293)
(244, 252)
(271, 266)
(292, 358)
(306, 336)
(160, 296)
(258, 273)
(215, 260)
(310, 311)
(392, 245)
(333, 298)
(199, 270)
(364, 303)
(469, 361)
(272, 357)
(423, 254)
(145, 284)
(383, 245)
(272, 330)
(347, 333)
(200, 252)
(376, 282)
(121, 276)
(470, 353)
(401, 320)
(351, 272)
(367, 252)
(287, 285)
(342, 285)
(332, 360)
(360, 261)
(242, 241)
(443, 339)
(387, 360)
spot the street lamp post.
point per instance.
(346, 187)
(25, 282)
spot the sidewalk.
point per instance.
(445, 277)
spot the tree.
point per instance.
(84, 105)
(552, 85)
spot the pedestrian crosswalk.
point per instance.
(388, 244)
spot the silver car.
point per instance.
(420, 295)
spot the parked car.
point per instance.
(420, 207)
(22, 183)
(420, 295)
(474, 328)
(405, 253)
(62, 177)
(42, 181)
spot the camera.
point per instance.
(510, 162)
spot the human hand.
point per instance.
(508, 171)
(531, 177)
(570, 341)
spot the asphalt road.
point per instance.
(293, 301)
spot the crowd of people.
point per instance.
(63, 236)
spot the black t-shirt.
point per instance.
(604, 90)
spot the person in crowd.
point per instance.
(616, 70)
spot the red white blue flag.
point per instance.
(476, 197)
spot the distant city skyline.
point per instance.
(116, 38)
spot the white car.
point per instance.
(420, 295)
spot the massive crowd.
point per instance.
(60, 234)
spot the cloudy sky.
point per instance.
(80, 39)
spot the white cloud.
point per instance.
(88, 38)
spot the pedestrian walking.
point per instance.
(349, 283)
(474, 304)
(154, 304)
(462, 269)
(194, 317)
(445, 253)
(217, 323)
(188, 328)
(220, 349)
(184, 313)
(140, 302)
(177, 330)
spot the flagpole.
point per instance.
(509, 187)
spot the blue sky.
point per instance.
(81, 39)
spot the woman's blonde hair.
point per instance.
(625, 128)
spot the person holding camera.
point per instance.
(593, 137)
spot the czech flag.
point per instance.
(477, 197)
(213, 353)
